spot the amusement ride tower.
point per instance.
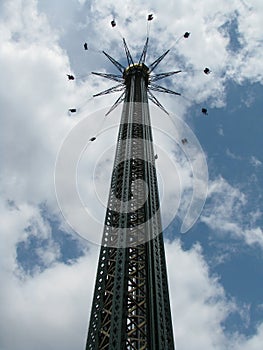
(131, 308)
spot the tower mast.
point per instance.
(131, 308)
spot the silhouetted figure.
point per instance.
(186, 35)
(150, 17)
(70, 77)
(204, 111)
(85, 46)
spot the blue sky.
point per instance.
(215, 269)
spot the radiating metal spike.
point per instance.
(116, 103)
(156, 102)
(163, 75)
(114, 77)
(144, 51)
(116, 63)
(128, 54)
(119, 87)
(156, 62)
(155, 87)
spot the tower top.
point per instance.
(136, 69)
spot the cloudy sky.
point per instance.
(215, 269)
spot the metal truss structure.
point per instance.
(131, 308)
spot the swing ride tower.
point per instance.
(131, 308)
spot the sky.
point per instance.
(215, 268)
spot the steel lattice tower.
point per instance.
(131, 308)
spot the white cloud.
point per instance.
(207, 45)
(55, 304)
(255, 162)
(199, 305)
(232, 155)
(50, 309)
(34, 97)
(254, 235)
(251, 343)
(49, 254)
(227, 213)
(221, 131)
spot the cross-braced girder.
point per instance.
(131, 308)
